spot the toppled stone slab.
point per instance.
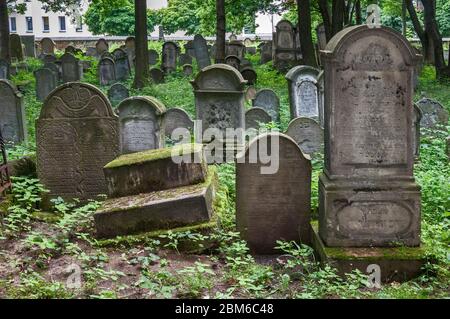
(156, 170)
(177, 207)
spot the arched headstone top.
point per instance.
(170, 43)
(68, 57)
(384, 47)
(75, 100)
(8, 85)
(106, 60)
(219, 77)
(149, 101)
(284, 25)
(302, 70)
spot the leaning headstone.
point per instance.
(15, 47)
(101, 46)
(303, 93)
(169, 57)
(233, 61)
(117, 93)
(188, 69)
(47, 46)
(106, 71)
(121, 63)
(249, 75)
(433, 113)
(4, 69)
(157, 75)
(12, 113)
(269, 101)
(184, 59)
(201, 52)
(176, 118)
(256, 116)
(77, 134)
(70, 69)
(141, 124)
(29, 45)
(368, 196)
(46, 81)
(153, 57)
(277, 206)
(307, 133)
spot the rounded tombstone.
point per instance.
(153, 57)
(101, 46)
(433, 114)
(255, 117)
(250, 75)
(307, 133)
(157, 75)
(106, 71)
(188, 69)
(176, 118)
(269, 101)
(233, 61)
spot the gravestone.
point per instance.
(256, 116)
(284, 214)
(91, 51)
(101, 46)
(189, 48)
(219, 92)
(417, 117)
(176, 118)
(130, 43)
(233, 61)
(153, 57)
(321, 97)
(49, 58)
(321, 40)
(303, 92)
(107, 71)
(249, 75)
(117, 93)
(285, 50)
(15, 47)
(141, 124)
(433, 113)
(188, 69)
(250, 93)
(70, 69)
(250, 50)
(47, 46)
(70, 49)
(12, 113)
(269, 101)
(28, 42)
(266, 52)
(368, 196)
(4, 69)
(307, 133)
(77, 134)
(236, 48)
(169, 57)
(157, 75)
(46, 81)
(56, 70)
(201, 52)
(246, 64)
(122, 65)
(184, 59)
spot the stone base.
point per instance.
(369, 212)
(178, 207)
(396, 263)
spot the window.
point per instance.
(29, 23)
(62, 24)
(79, 26)
(13, 24)
(46, 24)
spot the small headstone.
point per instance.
(307, 133)
(256, 116)
(141, 124)
(101, 46)
(121, 64)
(107, 71)
(269, 101)
(153, 57)
(233, 61)
(169, 57)
(249, 75)
(70, 69)
(201, 52)
(47, 46)
(184, 59)
(46, 81)
(130, 43)
(15, 47)
(28, 42)
(277, 206)
(12, 113)
(250, 93)
(433, 113)
(77, 134)
(157, 75)
(303, 92)
(176, 118)
(188, 69)
(266, 52)
(117, 93)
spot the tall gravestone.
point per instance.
(189, 48)
(101, 46)
(12, 113)
(269, 101)
(271, 207)
(77, 134)
(141, 124)
(70, 69)
(321, 40)
(236, 48)
(46, 81)
(201, 52)
(153, 57)
(56, 70)
(233, 61)
(29, 45)
(117, 93)
(47, 46)
(303, 92)
(307, 133)
(169, 56)
(284, 42)
(433, 113)
(176, 118)
(107, 71)
(15, 47)
(368, 196)
(122, 65)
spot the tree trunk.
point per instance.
(325, 12)
(220, 31)
(404, 17)
(304, 27)
(4, 32)
(424, 39)
(338, 16)
(358, 13)
(141, 74)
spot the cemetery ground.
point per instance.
(41, 248)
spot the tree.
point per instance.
(304, 28)
(220, 33)
(4, 32)
(141, 74)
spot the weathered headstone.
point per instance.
(12, 113)
(121, 63)
(321, 40)
(433, 113)
(130, 43)
(101, 46)
(236, 48)
(176, 118)
(307, 133)
(417, 117)
(189, 48)
(250, 93)
(117, 93)
(303, 92)
(184, 59)
(249, 75)
(77, 133)
(188, 69)
(107, 54)
(91, 51)
(49, 58)
(28, 42)
(271, 207)
(47, 46)
(157, 75)
(256, 116)
(56, 70)
(233, 61)
(70, 49)
(269, 101)
(4, 69)
(70, 69)
(15, 47)
(266, 52)
(153, 57)
(201, 52)
(169, 57)
(46, 81)
(141, 124)
(106, 71)
(368, 196)
(284, 42)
